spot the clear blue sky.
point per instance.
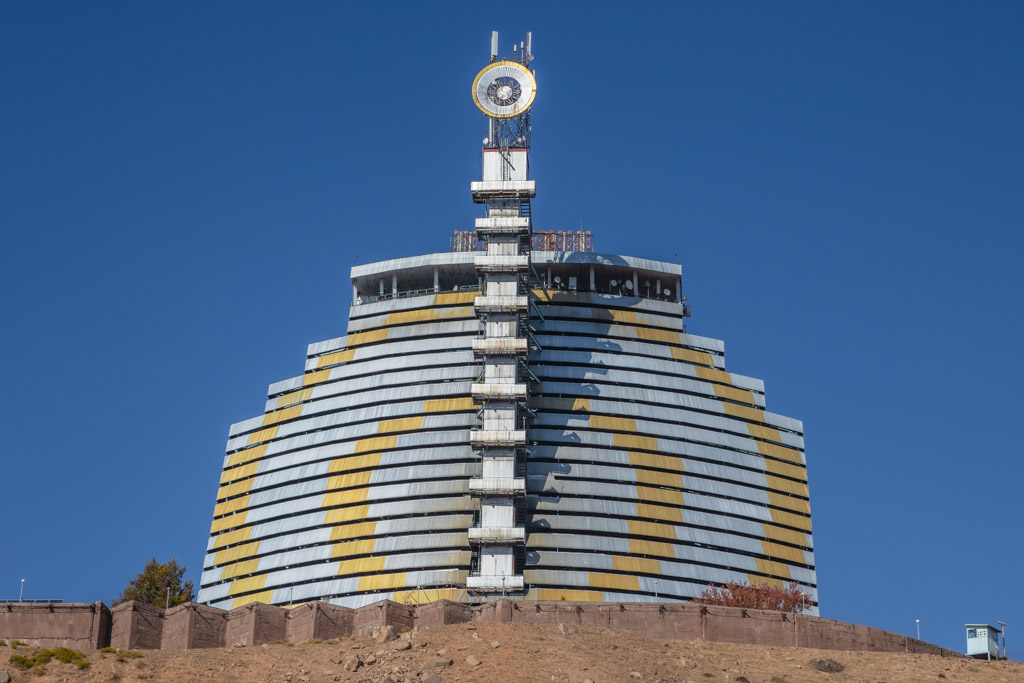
(184, 186)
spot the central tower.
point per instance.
(504, 90)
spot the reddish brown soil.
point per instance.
(523, 653)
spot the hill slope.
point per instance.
(523, 653)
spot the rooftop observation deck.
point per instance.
(565, 270)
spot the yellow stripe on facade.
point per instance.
(756, 580)
(375, 443)
(650, 529)
(621, 424)
(656, 495)
(629, 442)
(291, 398)
(235, 489)
(405, 424)
(239, 552)
(783, 552)
(691, 356)
(262, 435)
(455, 298)
(449, 405)
(613, 581)
(581, 404)
(315, 377)
(282, 415)
(784, 469)
(232, 537)
(345, 497)
(361, 566)
(789, 486)
(664, 462)
(657, 335)
(360, 338)
(347, 515)
(363, 547)
(744, 413)
(426, 314)
(336, 358)
(791, 519)
(349, 480)
(355, 462)
(786, 536)
(668, 514)
(240, 569)
(229, 506)
(627, 317)
(265, 596)
(773, 568)
(714, 375)
(766, 433)
(252, 583)
(780, 452)
(247, 455)
(239, 473)
(638, 547)
(781, 500)
(571, 595)
(733, 394)
(381, 582)
(638, 565)
(231, 521)
(659, 478)
(425, 595)
(360, 530)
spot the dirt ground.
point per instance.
(510, 652)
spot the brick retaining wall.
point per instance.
(136, 626)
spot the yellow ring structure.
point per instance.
(523, 75)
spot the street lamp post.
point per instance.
(1002, 629)
(655, 590)
(918, 628)
(21, 593)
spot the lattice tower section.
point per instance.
(498, 537)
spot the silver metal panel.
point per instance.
(547, 358)
(448, 258)
(620, 346)
(388, 459)
(424, 329)
(318, 435)
(570, 455)
(598, 314)
(630, 262)
(665, 446)
(401, 348)
(628, 406)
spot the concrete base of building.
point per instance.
(132, 625)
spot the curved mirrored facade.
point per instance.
(650, 471)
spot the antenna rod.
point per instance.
(494, 45)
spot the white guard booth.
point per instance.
(982, 641)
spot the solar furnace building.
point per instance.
(518, 416)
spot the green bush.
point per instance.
(42, 657)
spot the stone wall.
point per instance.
(78, 625)
(136, 626)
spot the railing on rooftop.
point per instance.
(542, 240)
(406, 293)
